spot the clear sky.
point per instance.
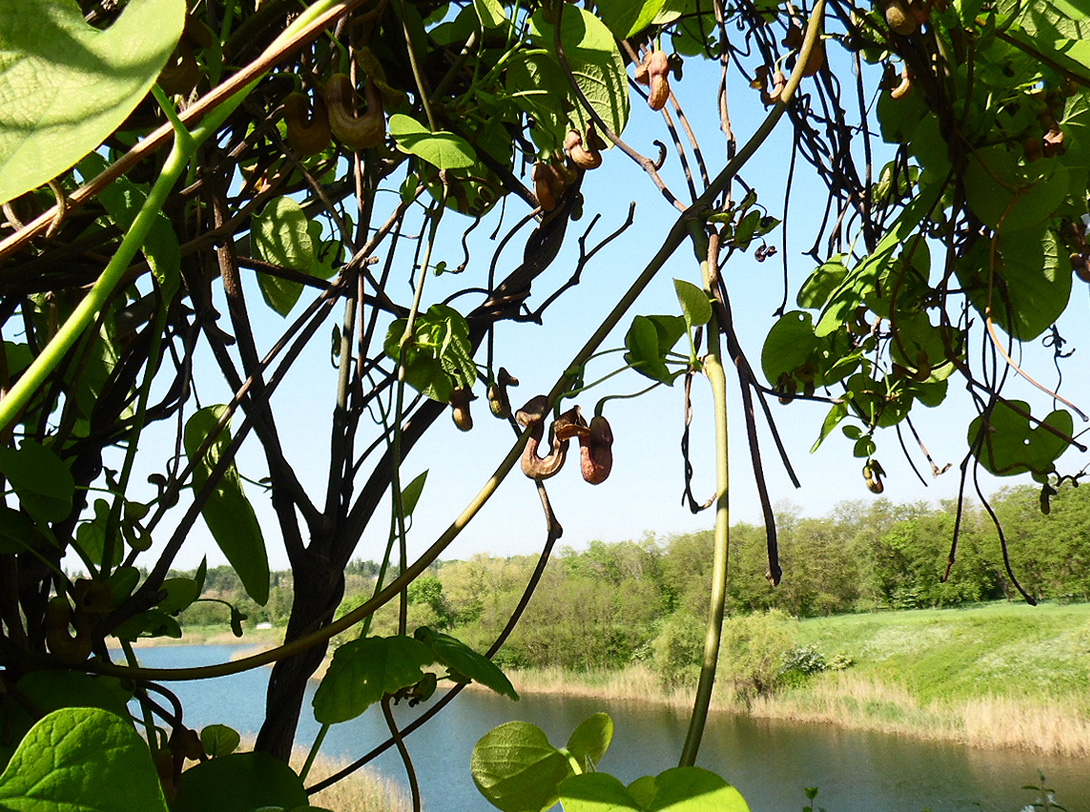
(643, 495)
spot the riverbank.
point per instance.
(995, 676)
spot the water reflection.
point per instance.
(770, 762)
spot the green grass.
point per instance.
(1008, 649)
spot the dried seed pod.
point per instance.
(353, 130)
(899, 19)
(186, 743)
(904, 87)
(872, 474)
(816, 60)
(498, 400)
(307, 134)
(596, 451)
(786, 387)
(459, 406)
(657, 75)
(548, 185)
(1054, 142)
(68, 648)
(581, 156)
(532, 415)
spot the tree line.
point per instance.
(615, 603)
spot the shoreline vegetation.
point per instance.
(1001, 675)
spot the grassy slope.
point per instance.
(1019, 651)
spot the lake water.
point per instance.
(770, 762)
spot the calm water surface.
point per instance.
(770, 762)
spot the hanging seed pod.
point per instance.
(352, 129)
(596, 451)
(308, 134)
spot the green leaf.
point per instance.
(648, 341)
(240, 782)
(516, 768)
(590, 740)
(695, 306)
(1031, 279)
(490, 13)
(281, 235)
(1009, 197)
(596, 792)
(789, 344)
(42, 481)
(460, 658)
(832, 419)
(1011, 445)
(181, 592)
(410, 494)
(56, 110)
(627, 17)
(123, 199)
(16, 531)
(595, 64)
(692, 789)
(363, 670)
(219, 740)
(81, 760)
(820, 285)
(228, 513)
(442, 149)
(438, 358)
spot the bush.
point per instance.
(753, 651)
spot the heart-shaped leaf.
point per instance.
(516, 768)
(53, 111)
(363, 670)
(442, 149)
(459, 657)
(82, 760)
(240, 782)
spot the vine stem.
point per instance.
(670, 244)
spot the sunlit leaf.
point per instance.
(1007, 443)
(363, 670)
(460, 658)
(281, 235)
(516, 768)
(589, 741)
(54, 111)
(442, 149)
(82, 760)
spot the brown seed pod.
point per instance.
(307, 134)
(596, 451)
(817, 58)
(658, 78)
(568, 425)
(498, 400)
(581, 156)
(786, 387)
(1054, 142)
(459, 406)
(549, 184)
(68, 648)
(903, 87)
(872, 474)
(353, 130)
(899, 19)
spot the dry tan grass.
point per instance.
(852, 701)
(362, 791)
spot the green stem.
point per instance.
(314, 748)
(713, 368)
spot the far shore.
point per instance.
(845, 699)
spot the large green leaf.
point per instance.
(281, 235)
(460, 658)
(687, 789)
(240, 782)
(595, 63)
(363, 670)
(42, 481)
(82, 760)
(1011, 445)
(442, 149)
(1009, 197)
(438, 357)
(516, 768)
(648, 341)
(590, 740)
(789, 344)
(596, 792)
(627, 17)
(55, 110)
(228, 513)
